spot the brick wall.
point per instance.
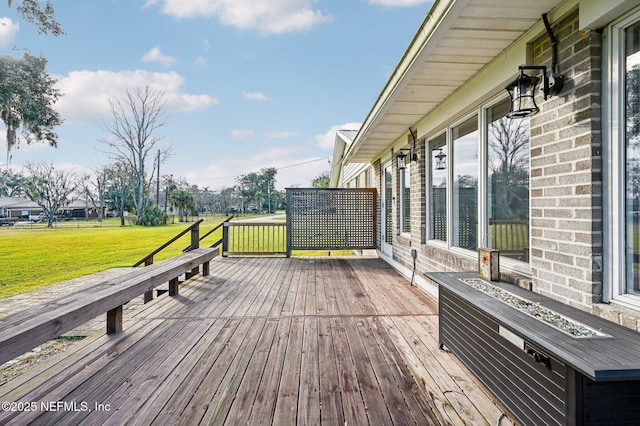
(566, 173)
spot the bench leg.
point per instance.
(205, 269)
(192, 273)
(148, 296)
(173, 287)
(114, 320)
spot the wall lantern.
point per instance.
(401, 158)
(441, 160)
(522, 90)
(413, 154)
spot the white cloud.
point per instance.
(265, 16)
(8, 31)
(399, 3)
(327, 140)
(200, 61)
(155, 55)
(242, 133)
(86, 94)
(280, 135)
(255, 96)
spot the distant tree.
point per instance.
(121, 188)
(227, 199)
(51, 189)
(27, 96)
(184, 201)
(136, 118)
(321, 181)
(466, 181)
(11, 183)
(256, 187)
(509, 166)
(96, 188)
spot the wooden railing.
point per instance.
(195, 243)
(211, 231)
(511, 237)
(254, 238)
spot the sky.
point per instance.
(248, 84)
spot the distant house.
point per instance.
(355, 175)
(557, 191)
(15, 207)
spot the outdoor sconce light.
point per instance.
(401, 158)
(441, 162)
(523, 89)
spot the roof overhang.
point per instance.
(456, 40)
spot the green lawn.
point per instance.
(35, 258)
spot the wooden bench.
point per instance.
(540, 373)
(22, 331)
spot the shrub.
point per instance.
(152, 216)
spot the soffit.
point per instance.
(451, 46)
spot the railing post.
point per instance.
(148, 296)
(225, 239)
(195, 236)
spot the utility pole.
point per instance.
(158, 182)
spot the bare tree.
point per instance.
(96, 187)
(121, 187)
(136, 119)
(51, 189)
(509, 161)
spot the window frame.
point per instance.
(429, 183)
(404, 178)
(480, 112)
(614, 164)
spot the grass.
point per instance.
(36, 258)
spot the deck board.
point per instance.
(267, 341)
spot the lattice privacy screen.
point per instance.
(331, 219)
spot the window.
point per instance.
(478, 185)
(465, 184)
(405, 199)
(622, 140)
(388, 205)
(508, 182)
(632, 153)
(438, 189)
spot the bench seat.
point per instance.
(24, 330)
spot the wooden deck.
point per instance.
(264, 341)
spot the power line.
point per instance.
(278, 168)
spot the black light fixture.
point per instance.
(522, 90)
(401, 158)
(414, 153)
(441, 162)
